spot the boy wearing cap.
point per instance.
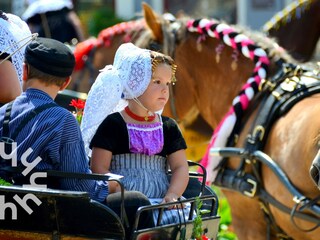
(53, 133)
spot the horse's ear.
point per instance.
(153, 22)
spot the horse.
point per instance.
(94, 54)
(297, 28)
(215, 64)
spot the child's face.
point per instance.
(157, 93)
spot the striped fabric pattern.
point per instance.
(148, 175)
(55, 137)
(141, 172)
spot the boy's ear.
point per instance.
(25, 72)
(65, 84)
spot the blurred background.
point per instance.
(96, 15)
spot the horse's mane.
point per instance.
(270, 45)
(293, 10)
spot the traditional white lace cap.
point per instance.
(14, 34)
(127, 78)
(134, 69)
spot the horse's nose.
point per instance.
(314, 172)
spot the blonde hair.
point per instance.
(158, 58)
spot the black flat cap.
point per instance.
(50, 56)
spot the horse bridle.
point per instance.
(168, 48)
(248, 184)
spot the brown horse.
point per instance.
(297, 28)
(94, 54)
(215, 63)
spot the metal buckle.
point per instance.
(290, 84)
(6, 140)
(266, 84)
(253, 190)
(298, 200)
(258, 129)
(276, 95)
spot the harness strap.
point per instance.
(265, 195)
(276, 105)
(271, 223)
(5, 131)
(246, 184)
(30, 116)
(6, 170)
(310, 90)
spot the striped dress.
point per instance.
(142, 172)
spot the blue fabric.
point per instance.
(147, 174)
(143, 173)
(54, 135)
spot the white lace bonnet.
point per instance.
(14, 34)
(127, 78)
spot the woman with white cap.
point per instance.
(137, 142)
(14, 35)
(55, 19)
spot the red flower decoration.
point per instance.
(204, 237)
(77, 103)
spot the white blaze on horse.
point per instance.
(271, 129)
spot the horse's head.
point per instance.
(315, 170)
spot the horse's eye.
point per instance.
(169, 83)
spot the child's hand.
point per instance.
(114, 187)
(171, 197)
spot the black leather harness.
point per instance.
(278, 97)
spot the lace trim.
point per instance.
(130, 75)
(11, 32)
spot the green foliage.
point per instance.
(4, 183)
(197, 222)
(101, 19)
